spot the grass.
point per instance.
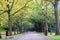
(2, 30)
(54, 37)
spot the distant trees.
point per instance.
(35, 15)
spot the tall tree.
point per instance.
(55, 5)
(9, 16)
(56, 17)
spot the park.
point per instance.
(29, 19)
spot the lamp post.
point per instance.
(45, 20)
(43, 14)
(46, 24)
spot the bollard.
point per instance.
(46, 32)
(7, 34)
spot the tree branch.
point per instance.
(52, 2)
(21, 8)
(12, 4)
(3, 12)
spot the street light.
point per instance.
(43, 15)
(42, 8)
(46, 24)
(45, 19)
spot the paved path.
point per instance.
(31, 36)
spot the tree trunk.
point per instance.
(56, 17)
(0, 36)
(9, 22)
(50, 30)
(14, 32)
(18, 31)
(20, 28)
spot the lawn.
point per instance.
(54, 37)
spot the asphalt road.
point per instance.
(31, 36)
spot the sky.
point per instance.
(59, 5)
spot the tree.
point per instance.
(56, 17)
(9, 6)
(55, 5)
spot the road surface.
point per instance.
(31, 36)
